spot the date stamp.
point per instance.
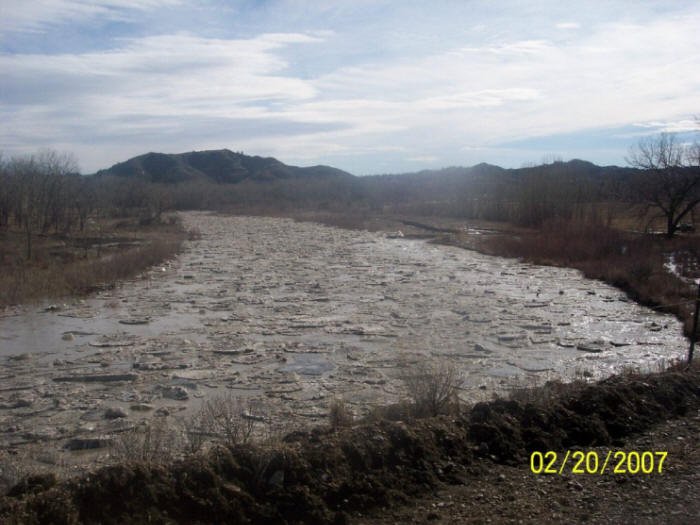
(595, 463)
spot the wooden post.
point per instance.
(693, 334)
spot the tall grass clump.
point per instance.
(633, 262)
(432, 387)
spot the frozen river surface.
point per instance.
(299, 314)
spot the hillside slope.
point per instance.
(222, 166)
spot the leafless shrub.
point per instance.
(393, 412)
(631, 262)
(542, 395)
(12, 471)
(31, 464)
(340, 414)
(194, 437)
(226, 419)
(157, 441)
(261, 461)
(86, 275)
(52, 278)
(432, 387)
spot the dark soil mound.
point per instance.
(318, 476)
(592, 415)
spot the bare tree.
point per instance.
(35, 193)
(670, 181)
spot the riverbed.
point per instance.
(299, 314)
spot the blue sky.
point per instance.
(366, 86)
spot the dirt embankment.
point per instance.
(326, 476)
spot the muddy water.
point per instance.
(298, 314)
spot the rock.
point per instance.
(620, 343)
(33, 484)
(106, 344)
(150, 366)
(591, 346)
(277, 479)
(654, 327)
(575, 485)
(142, 407)
(68, 336)
(234, 352)
(135, 321)
(96, 378)
(177, 393)
(86, 443)
(115, 413)
(536, 304)
(21, 402)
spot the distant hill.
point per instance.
(222, 166)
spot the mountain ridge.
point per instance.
(227, 167)
(222, 166)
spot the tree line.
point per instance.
(44, 193)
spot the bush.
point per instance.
(227, 420)
(156, 442)
(340, 415)
(432, 387)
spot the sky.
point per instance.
(366, 86)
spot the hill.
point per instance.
(222, 166)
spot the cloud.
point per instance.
(158, 75)
(678, 126)
(567, 25)
(36, 15)
(155, 86)
(478, 99)
(423, 158)
(341, 82)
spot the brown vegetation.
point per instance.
(63, 234)
(432, 387)
(322, 475)
(633, 262)
(670, 181)
(69, 265)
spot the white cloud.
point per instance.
(160, 75)
(678, 126)
(477, 99)
(337, 95)
(423, 158)
(520, 89)
(567, 25)
(150, 88)
(35, 15)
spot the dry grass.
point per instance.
(544, 395)
(631, 262)
(339, 414)
(35, 461)
(432, 387)
(154, 442)
(72, 266)
(228, 420)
